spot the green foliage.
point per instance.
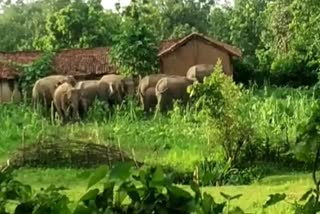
(218, 94)
(135, 50)
(36, 70)
(79, 25)
(139, 191)
(219, 97)
(147, 190)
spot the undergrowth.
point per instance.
(180, 140)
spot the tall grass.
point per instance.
(177, 139)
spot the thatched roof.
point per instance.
(220, 45)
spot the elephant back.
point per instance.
(198, 72)
(149, 81)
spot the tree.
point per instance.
(182, 15)
(246, 26)
(80, 25)
(290, 44)
(135, 48)
(219, 23)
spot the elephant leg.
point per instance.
(161, 102)
(75, 114)
(153, 103)
(81, 111)
(145, 104)
(167, 103)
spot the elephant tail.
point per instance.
(140, 93)
(161, 86)
(35, 95)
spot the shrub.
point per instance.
(220, 99)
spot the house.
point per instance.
(177, 56)
(91, 63)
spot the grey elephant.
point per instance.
(172, 88)
(199, 72)
(91, 90)
(66, 100)
(150, 99)
(145, 83)
(44, 88)
(122, 86)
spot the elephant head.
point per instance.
(73, 97)
(199, 72)
(106, 90)
(69, 79)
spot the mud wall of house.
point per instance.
(207, 54)
(194, 52)
(180, 60)
(9, 91)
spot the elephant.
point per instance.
(91, 90)
(150, 99)
(44, 88)
(145, 83)
(172, 88)
(199, 72)
(66, 100)
(122, 86)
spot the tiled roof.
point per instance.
(226, 47)
(77, 62)
(92, 61)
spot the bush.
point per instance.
(220, 99)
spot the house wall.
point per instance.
(9, 91)
(194, 52)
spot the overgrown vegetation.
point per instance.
(32, 72)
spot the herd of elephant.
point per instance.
(71, 99)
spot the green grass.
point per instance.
(175, 140)
(293, 184)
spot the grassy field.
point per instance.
(254, 195)
(177, 140)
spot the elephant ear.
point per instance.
(71, 80)
(69, 94)
(59, 83)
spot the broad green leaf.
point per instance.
(24, 208)
(120, 196)
(97, 176)
(82, 210)
(274, 199)
(159, 177)
(306, 195)
(92, 194)
(120, 171)
(236, 210)
(179, 193)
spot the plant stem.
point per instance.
(314, 176)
